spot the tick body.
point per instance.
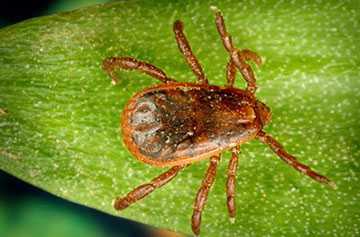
(176, 124)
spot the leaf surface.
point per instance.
(59, 117)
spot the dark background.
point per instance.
(13, 11)
(29, 211)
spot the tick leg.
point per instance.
(185, 49)
(291, 160)
(230, 184)
(145, 189)
(230, 73)
(202, 194)
(238, 57)
(129, 63)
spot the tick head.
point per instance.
(264, 112)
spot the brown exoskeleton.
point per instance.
(175, 124)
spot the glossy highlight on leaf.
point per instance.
(59, 113)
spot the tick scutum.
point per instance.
(183, 121)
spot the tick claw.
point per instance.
(113, 202)
(113, 82)
(2, 112)
(214, 9)
(332, 185)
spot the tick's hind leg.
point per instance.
(238, 58)
(291, 160)
(202, 194)
(185, 49)
(129, 63)
(231, 182)
(145, 189)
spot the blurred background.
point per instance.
(29, 211)
(12, 11)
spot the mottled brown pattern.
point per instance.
(174, 124)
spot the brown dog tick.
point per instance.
(175, 124)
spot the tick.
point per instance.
(175, 124)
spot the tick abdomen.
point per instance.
(177, 123)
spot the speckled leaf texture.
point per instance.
(59, 120)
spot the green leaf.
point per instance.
(59, 117)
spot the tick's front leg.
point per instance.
(185, 49)
(238, 57)
(129, 63)
(291, 160)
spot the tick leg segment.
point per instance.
(185, 49)
(238, 57)
(230, 183)
(291, 160)
(230, 73)
(129, 63)
(202, 194)
(145, 189)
